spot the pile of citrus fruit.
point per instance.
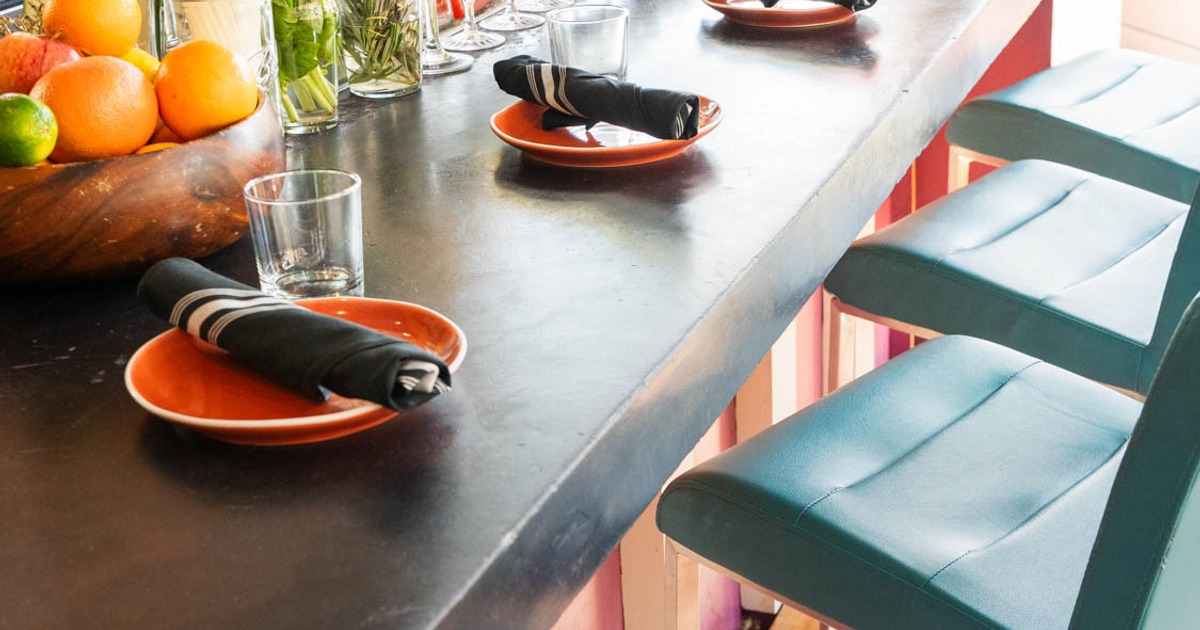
(84, 91)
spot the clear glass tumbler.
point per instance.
(592, 37)
(306, 228)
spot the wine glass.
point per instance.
(434, 57)
(469, 37)
(510, 19)
(542, 6)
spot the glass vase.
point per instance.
(382, 46)
(308, 46)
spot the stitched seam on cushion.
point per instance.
(1051, 404)
(1143, 245)
(808, 507)
(1032, 517)
(1019, 225)
(970, 280)
(920, 444)
(1168, 120)
(1103, 91)
(791, 528)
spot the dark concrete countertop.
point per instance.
(611, 315)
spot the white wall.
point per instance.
(1081, 26)
(1166, 27)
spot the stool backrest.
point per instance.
(1144, 570)
(1183, 284)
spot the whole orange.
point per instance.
(105, 107)
(98, 27)
(203, 87)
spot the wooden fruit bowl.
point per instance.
(116, 217)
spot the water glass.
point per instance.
(306, 227)
(592, 37)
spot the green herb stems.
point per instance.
(382, 39)
(306, 36)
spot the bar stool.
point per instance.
(1124, 114)
(1068, 266)
(965, 485)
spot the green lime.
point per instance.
(28, 130)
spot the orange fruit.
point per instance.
(98, 27)
(105, 107)
(144, 61)
(157, 146)
(202, 87)
(163, 133)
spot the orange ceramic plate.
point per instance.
(786, 14)
(184, 380)
(520, 125)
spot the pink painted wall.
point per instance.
(598, 605)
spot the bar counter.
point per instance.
(611, 315)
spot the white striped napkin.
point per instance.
(576, 97)
(309, 352)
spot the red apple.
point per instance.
(24, 58)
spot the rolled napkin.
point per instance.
(853, 5)
(309, 352)
(576, 97)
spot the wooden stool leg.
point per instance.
(683, 588)
(840, 343)
(960, 169)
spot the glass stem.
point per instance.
(469, 15)
(433, 37)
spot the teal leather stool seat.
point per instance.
(1073, 268)
(966, 485)
(1124, 114)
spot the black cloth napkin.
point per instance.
(298, 348)
(853, 5)
(576, 97)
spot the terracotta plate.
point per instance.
(184, 380)
(603, 145)
(786, 14)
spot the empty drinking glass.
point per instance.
(306, 228)
(590, 37)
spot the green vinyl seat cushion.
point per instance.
(960, 485)
(1125, 114)
(964, 485)
(1052, 261)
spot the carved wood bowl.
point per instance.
(115, 217)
